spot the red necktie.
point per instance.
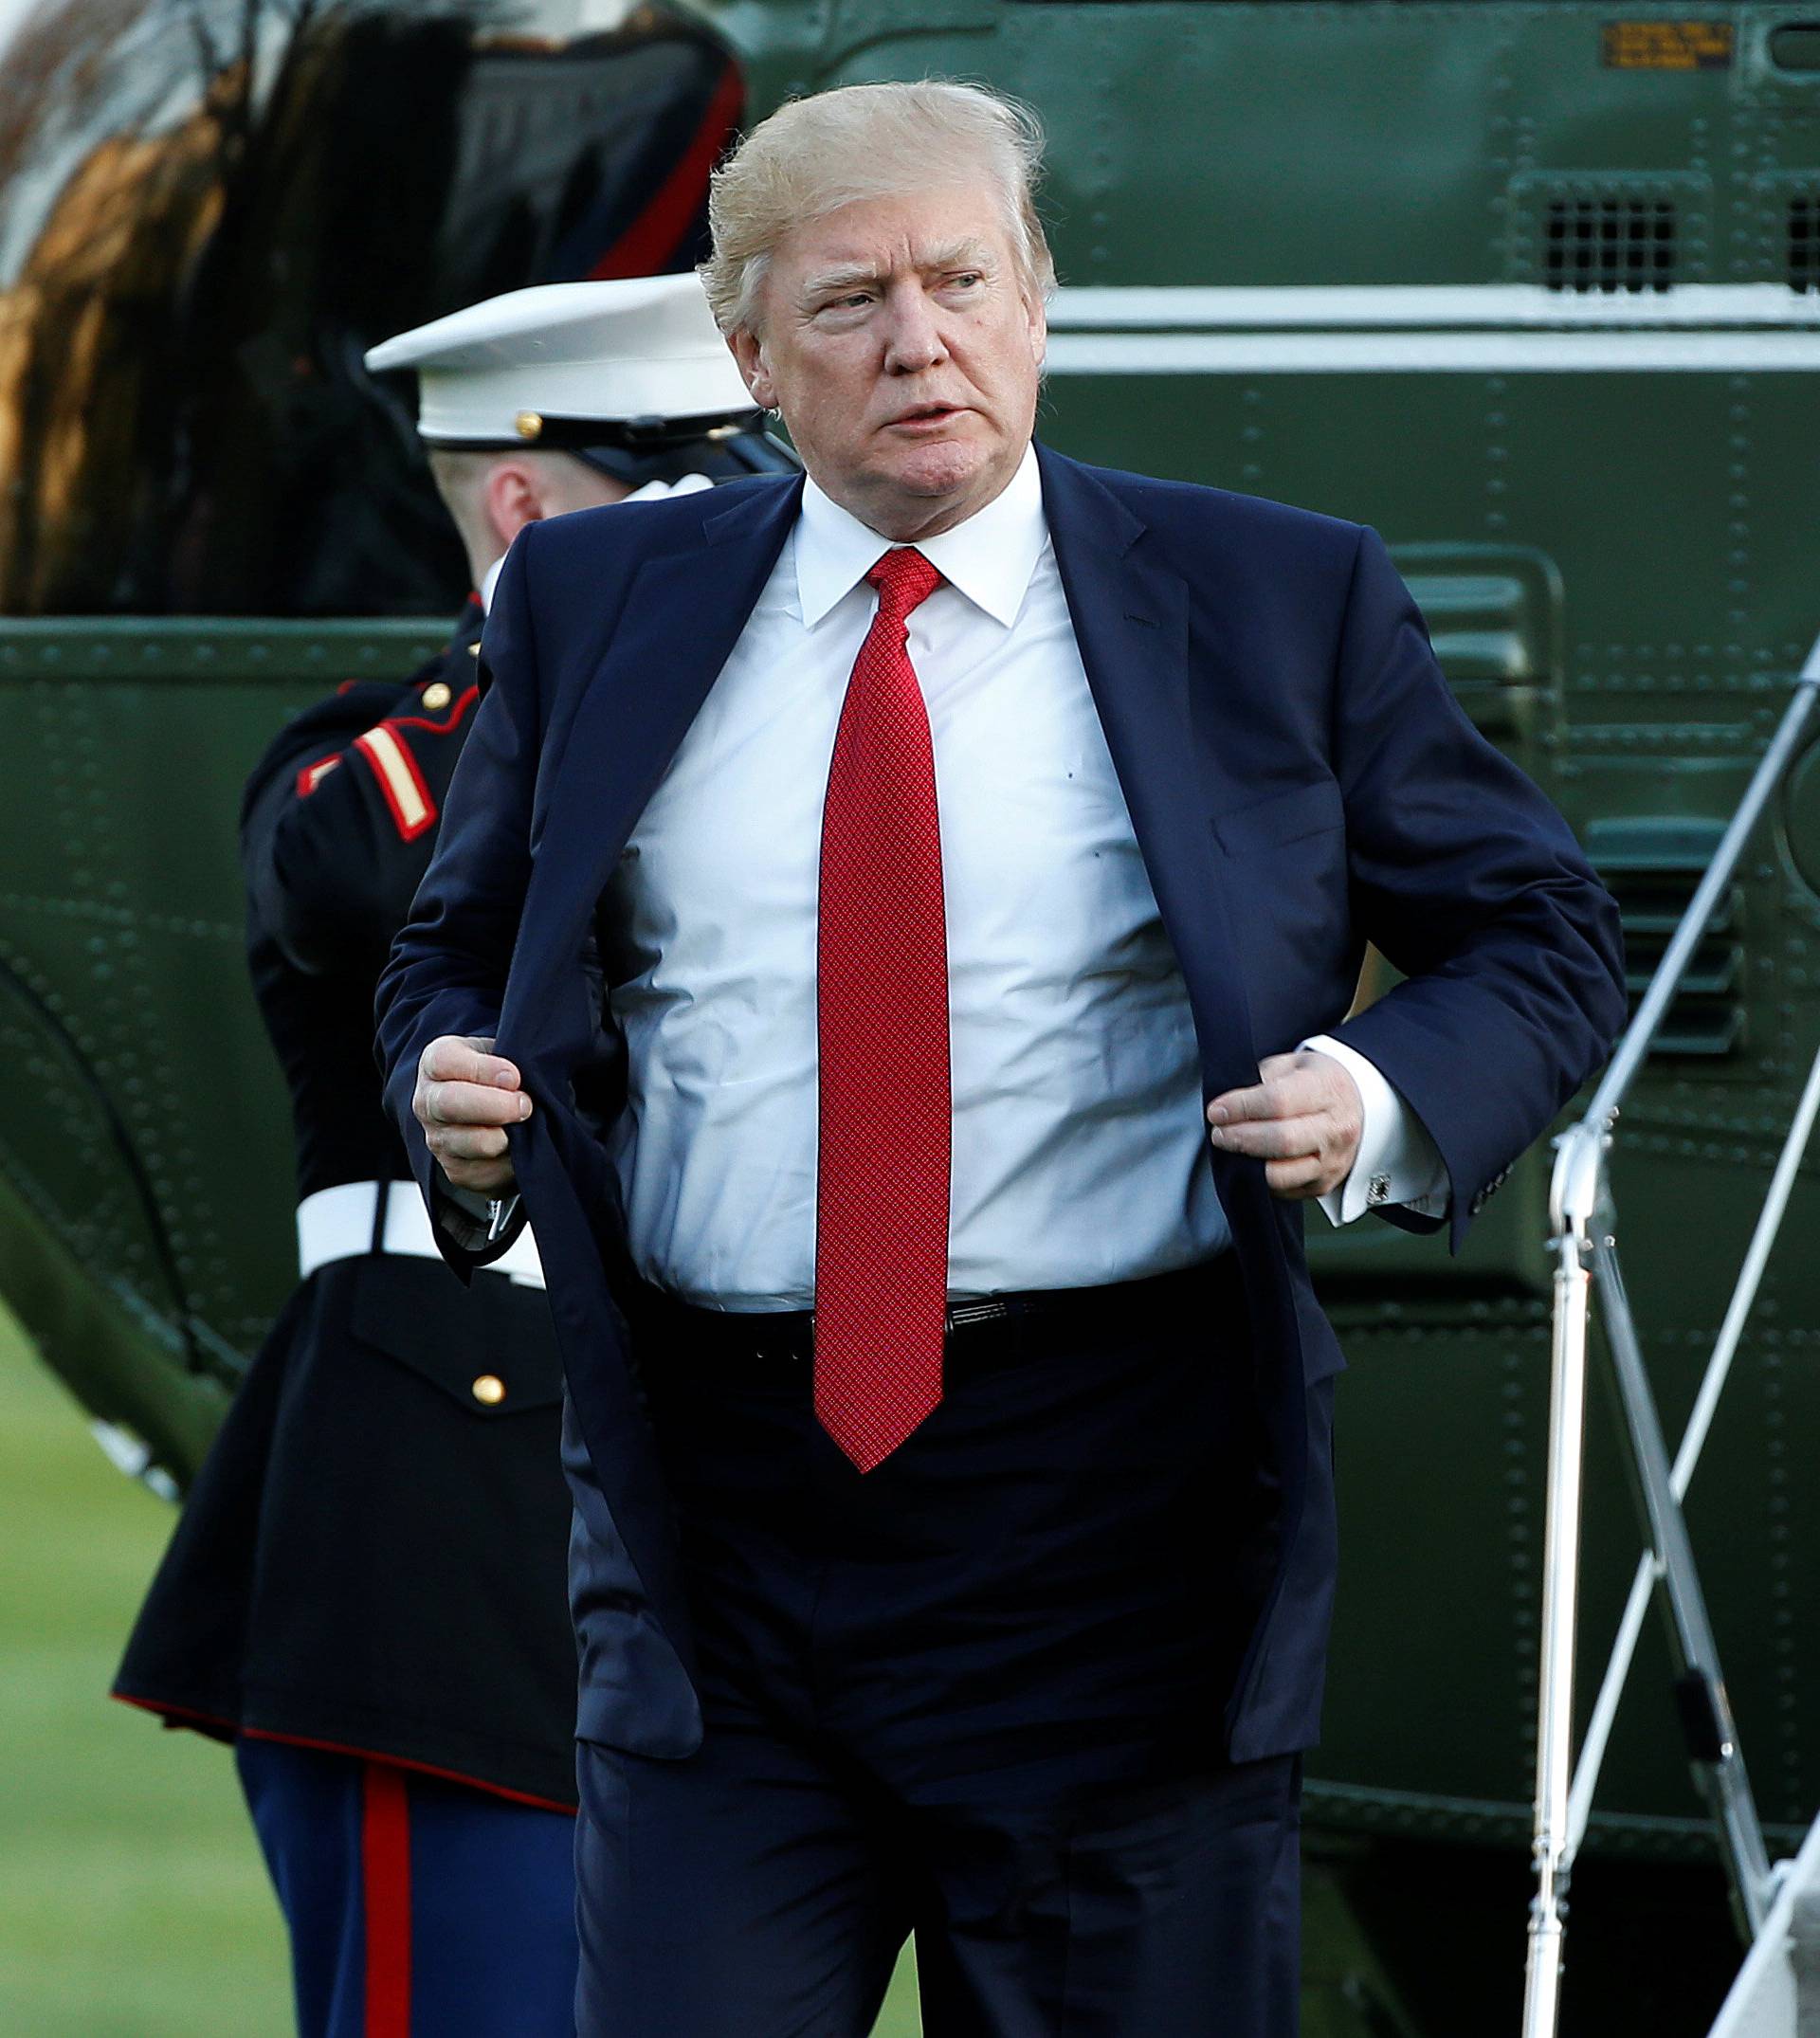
(881, 999)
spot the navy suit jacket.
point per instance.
(1301, 781)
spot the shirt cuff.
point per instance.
(471, 1218)
(1397, 1160)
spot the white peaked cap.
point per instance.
(647, 347)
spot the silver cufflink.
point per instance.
(1378, 1189)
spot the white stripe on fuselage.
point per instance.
(1421, 328)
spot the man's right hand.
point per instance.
(465, 1098)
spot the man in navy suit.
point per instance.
(950, 876)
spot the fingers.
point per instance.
(1302, 1119)
(465, 1098)
(1303, 1157)
(1262, 1101)
(455, 1142)
(1302, 1180)
(460, 1083)
(485, 1177)
(1275, 1138)
(1294, 1085)
(452, 1059)
(472, 1157)
(468, 1103)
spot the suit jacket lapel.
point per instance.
(682, 618)
(1130, 612)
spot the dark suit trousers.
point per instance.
(974, 1695)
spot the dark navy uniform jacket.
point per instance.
(373, 1558)
(1301, 782)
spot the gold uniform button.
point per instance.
(528, 423)
(437, 696)
(489, 1390)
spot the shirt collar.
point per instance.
(990, 558)
(489, 580)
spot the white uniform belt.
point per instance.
(341, 1224)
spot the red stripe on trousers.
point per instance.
(385, 1865)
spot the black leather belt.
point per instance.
(990, 1331)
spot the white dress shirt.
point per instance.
(1079, 1152)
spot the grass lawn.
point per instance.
(132, 1901)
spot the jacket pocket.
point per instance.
(1280, 818)
(1321, 1356)
(652, 1711)
(489, 1347)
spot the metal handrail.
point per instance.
(1693, 1441)
(1585, 1252)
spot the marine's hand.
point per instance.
(465, 1098)
(1303, 1121)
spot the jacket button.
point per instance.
(489, 1390)
(437, 696)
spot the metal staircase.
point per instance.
(1778, 1990)
(1778, 1907)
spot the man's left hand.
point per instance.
(1303, 1121)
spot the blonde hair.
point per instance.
(460, 473)
(815, 154)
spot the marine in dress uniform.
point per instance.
(366, 1589)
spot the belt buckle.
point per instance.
(987, 1309)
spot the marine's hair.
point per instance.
(460, 473)
(815, 154)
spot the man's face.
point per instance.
(897, 340)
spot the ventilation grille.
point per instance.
(1610, 243)
(1804, 241)
(1653, 867)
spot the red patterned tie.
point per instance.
(881, 997)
